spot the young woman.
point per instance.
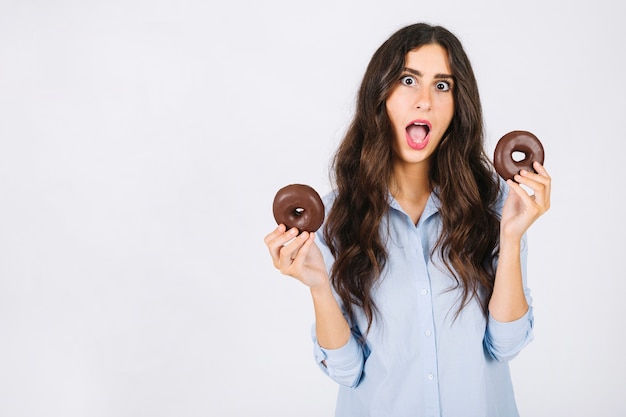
(419, 280)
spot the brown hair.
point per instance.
(460, 173)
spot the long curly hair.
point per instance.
(460, 174)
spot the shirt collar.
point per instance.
(431, 208)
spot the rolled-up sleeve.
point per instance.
(343, 365)
(504, 341)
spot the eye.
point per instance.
(408, 80)
(443, 86)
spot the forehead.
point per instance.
(430, 58)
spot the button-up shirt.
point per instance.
(419, 358)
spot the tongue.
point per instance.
(417, 132)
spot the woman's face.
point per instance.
(421, 105)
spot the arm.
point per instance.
(510, 322)
(298, 256)
(508, 301)
(505, 339)
(331, 328)
(336, 349)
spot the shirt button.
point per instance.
(427, 333)
(424, 291)
(431, 376)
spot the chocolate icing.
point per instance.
(299, 206)
(517, 141)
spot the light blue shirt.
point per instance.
(418, 360)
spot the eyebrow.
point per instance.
(419, 74)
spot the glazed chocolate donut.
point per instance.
(517, 141)
(299, 206)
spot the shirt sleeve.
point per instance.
(343, 365)
(504, 341)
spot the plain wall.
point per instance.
(142, 143)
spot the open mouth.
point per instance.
(417, 134)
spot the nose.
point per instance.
(423, 99)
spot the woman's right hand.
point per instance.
(297, 256)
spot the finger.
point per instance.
(276, 232)
(529, 179)
(303, 251)
(289, 251)
(537, 201)
(519, 191)
(540, 176)
(540, 169)
(276, 240)
(279, 237)
(540, 184)
(544, 177)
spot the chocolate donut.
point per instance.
(517, 141)
(299, 206)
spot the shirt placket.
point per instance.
(427, 339)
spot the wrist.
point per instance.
(321, 290)
(510, 244)
(510, 237)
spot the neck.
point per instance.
(411, 188)
(410, 181)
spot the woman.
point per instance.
(419, 283)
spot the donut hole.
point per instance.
(299, 211)
(518, 156)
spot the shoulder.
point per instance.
(328, 200)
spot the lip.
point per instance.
(421, 145)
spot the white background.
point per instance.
(141, 145)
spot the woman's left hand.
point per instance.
(521, 209)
